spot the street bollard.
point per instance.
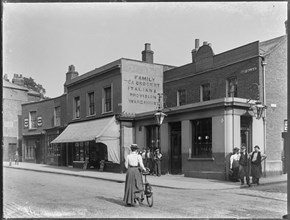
(10, 163)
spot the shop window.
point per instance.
(79, 151)
(202, 138)
(205, 92)
(107, 99)
(91, 103)
(232, 87)
(152, 140)
(57, 116)
(77, 107)
(32, 120)
(181, 97)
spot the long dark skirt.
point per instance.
(134, 186)
(256, 171)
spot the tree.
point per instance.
(31, 84)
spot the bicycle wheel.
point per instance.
(149, 199)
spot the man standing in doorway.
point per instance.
(244, 166)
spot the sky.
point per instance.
(40, 40)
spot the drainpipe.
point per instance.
(263, 63)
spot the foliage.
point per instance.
(31, 84)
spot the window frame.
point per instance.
(201, 138)
(228, 89)
(202, 92)
(104, 103)
(77, 108)
(55, 116)
(31, 121)
(91, 109)
(179, 99)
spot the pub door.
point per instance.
(175, 149)
(246, 133)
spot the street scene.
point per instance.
(31, 194)
(145, 110)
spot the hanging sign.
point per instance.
(285, 125)
(26, 122)
(39, 121)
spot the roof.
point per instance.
(109, 66)
(14, 86)
(268, 46)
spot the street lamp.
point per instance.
(258, 109)
(159, 116)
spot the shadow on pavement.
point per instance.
(115, 201)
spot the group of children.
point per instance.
(243, 165)
(152, 160)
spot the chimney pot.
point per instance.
(205, 43)
(196, 43)
(147, 46)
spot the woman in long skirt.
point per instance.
(134, 189)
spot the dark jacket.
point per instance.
(258, 161)
(244, 159)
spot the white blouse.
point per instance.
(134, 160)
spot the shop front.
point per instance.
(92, 144)
(197, 139)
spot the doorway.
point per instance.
(246, 133)
(175, 150)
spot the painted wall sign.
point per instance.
(141, 83)
(26, 122)
(39, 121)
(249, 70)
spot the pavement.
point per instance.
(168, 181)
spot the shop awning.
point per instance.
(104, 131)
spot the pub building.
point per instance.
(218, 102)
(213, 104)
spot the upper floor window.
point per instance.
(32, 120)
(57, 116)
(91, 103)
(107, 99)
(232, 87)
(202, 138)
(77, 107)
(205, 92)
(181, 97)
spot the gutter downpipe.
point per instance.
(265, 110)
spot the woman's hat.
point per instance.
(134, 146)
(257, 147)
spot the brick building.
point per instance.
(42, 122)
(99, 111)
(208, 107)
(14, 94)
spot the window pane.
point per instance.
(232, 87)
(181, 97)
(107, 99)
(202, 138)
(77, 107)
(57, 116)
(91, 103)
(205, 92)
(33, 120)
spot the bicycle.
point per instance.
(148, 188)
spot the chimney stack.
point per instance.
(147, 54)
(71, 74)
(205, 43)
(18, 80)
